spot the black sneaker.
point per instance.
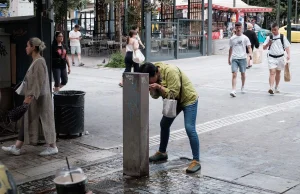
(81, 64)
(158, 156)
(73, 63)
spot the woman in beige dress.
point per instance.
(37, 94)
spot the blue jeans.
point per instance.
(190, 115)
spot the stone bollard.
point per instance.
(136, 124)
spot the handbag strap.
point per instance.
(180, 82)
(32, 65)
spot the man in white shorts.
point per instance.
(75, 37)
(277, 44)
(238, 57)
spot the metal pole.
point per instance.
(148, 35)
(209, 29)
(234, 3)
(202, 30)
(289, 20)
(66, 23)
(111, 20)
(278, 13)
(248, 2)
(51, 17)
(296, 13)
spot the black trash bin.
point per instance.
(69, 112)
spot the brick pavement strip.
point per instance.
(30, 166)
(107, 177)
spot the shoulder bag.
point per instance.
(137, 56)
(170, 103)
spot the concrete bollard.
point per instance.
(136, 124)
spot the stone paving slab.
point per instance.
(30, 166)
(224, 171)
(268, 182)
(295, 190)
(169, 177)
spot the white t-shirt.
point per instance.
(239, 44)
(73, 34)
(276, 47)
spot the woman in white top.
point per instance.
(132, 44)
(135, 28)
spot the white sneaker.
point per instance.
(49, 151)
(277, 90)
(243, 90)
(233, 94)
(12, 150)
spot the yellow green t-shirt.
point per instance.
(173, 79)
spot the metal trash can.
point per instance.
(69, 112)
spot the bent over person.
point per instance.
(165, 80)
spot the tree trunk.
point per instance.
(120, 24)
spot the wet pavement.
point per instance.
(168, 177)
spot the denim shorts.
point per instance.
(75, 49)
(238, 64)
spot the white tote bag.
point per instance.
(170, 107)
(21, 89)
(257, 56)
(138, 56)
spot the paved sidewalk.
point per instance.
(31, 166)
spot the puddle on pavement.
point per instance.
(164, 177)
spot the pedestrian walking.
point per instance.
(165, 81)
(75, 37)
(254, 42)
(238, 56)
(39, 115)
(137, 29)
(279, 54)
(60, 62)
(132, 45)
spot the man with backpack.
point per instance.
(277, 44)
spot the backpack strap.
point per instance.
(281, 39)
(271, 38)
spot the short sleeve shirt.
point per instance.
(276, 48)
(238, 45)
(73, 34)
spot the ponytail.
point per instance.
(131, 34)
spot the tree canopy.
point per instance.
(273, 4)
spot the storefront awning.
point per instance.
(227, 5)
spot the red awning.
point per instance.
(243, 8)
